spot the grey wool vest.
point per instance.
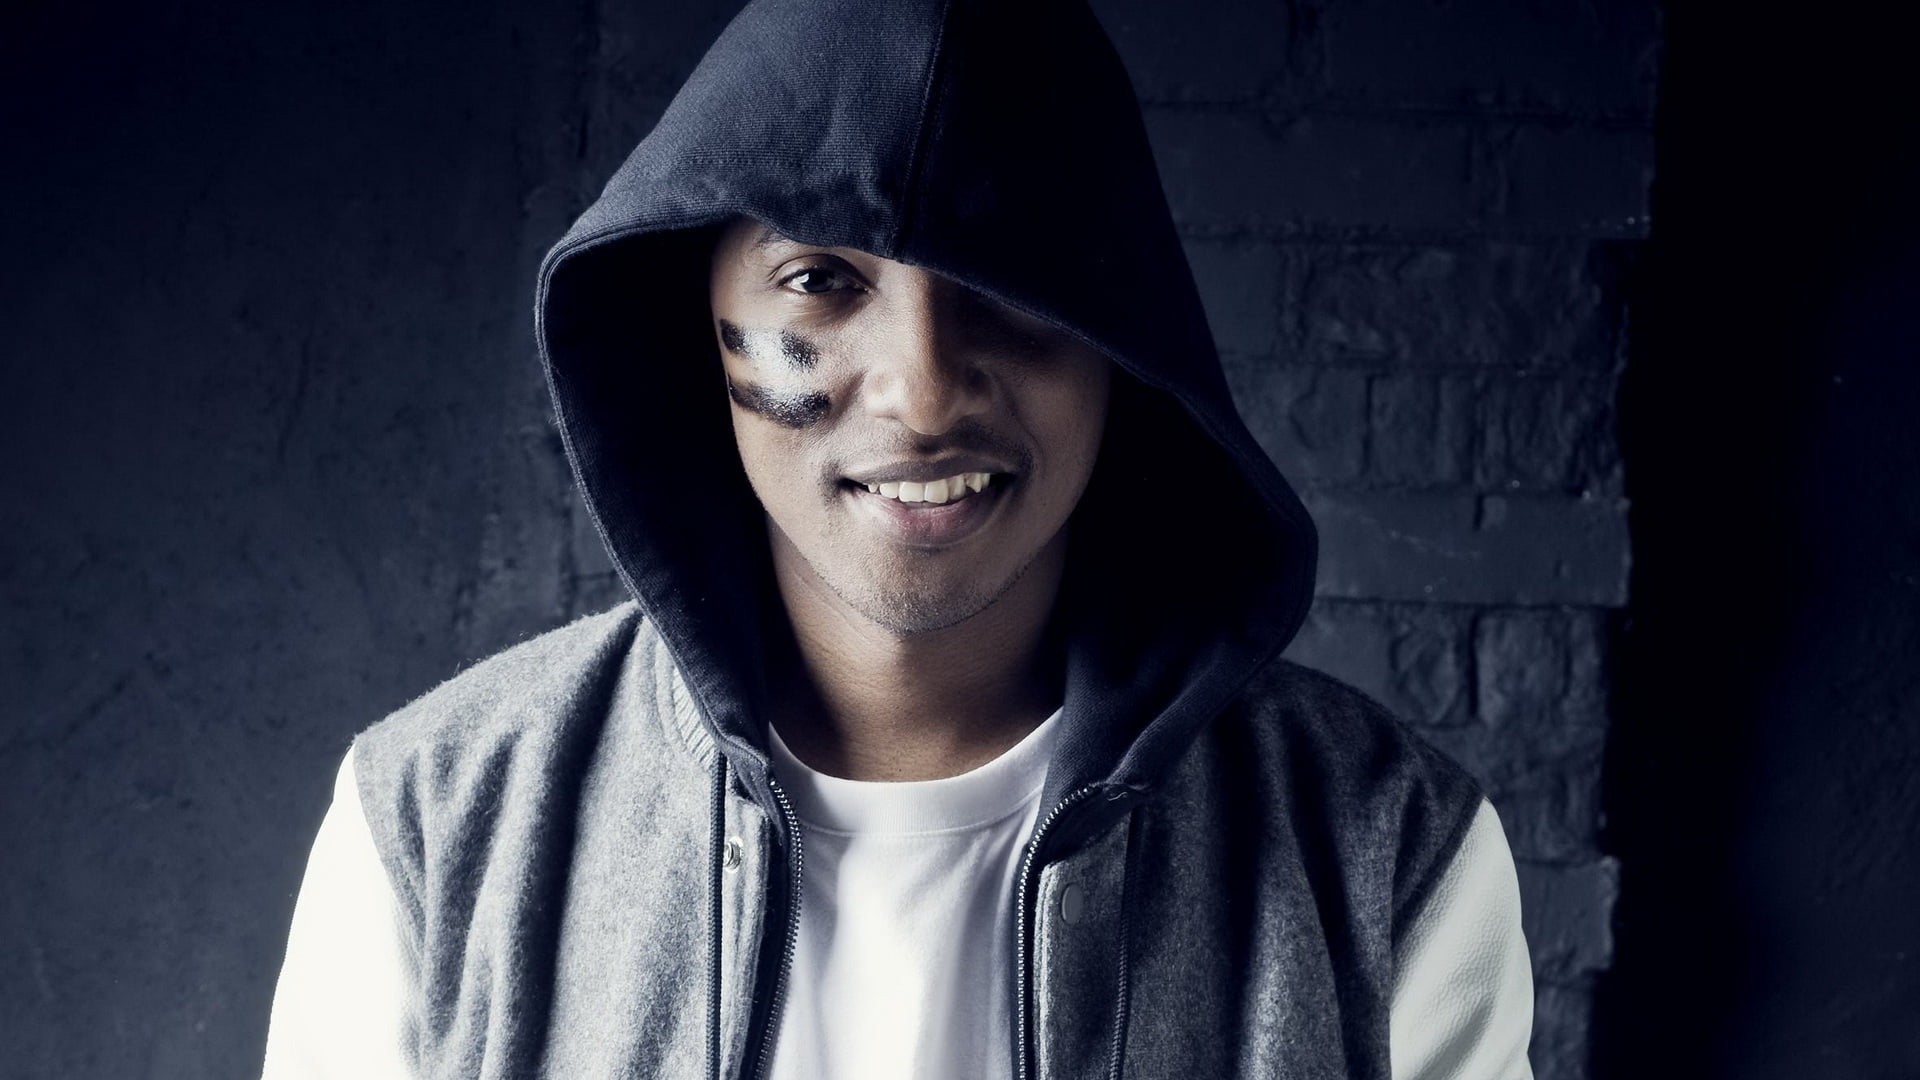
(588, 892)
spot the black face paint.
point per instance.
(769, 346)
(787, 410)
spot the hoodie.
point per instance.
(999, 143)
(595, 867)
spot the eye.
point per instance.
(817, 279)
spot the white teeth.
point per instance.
(934, 491)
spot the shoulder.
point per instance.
(1364, 784)
(504, 738)
(1313, 717)
(549, 676)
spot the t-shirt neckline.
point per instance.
(980, 796)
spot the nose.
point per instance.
(924, 375)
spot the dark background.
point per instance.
(1588, 329)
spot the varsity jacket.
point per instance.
(565, 885)
(595, 868)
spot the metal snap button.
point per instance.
(1073, 903)
(731, 858)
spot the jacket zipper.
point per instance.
(1022, 918)
(1023, 915)
(1123, 986)
(795, 868)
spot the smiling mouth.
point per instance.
(931, 493)
(934, 513)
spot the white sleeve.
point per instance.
(339, 1010)
(1463, 983)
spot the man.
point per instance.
(945, 735)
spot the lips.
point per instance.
(926, 522)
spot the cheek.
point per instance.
(781, 466)
(764, 448)
(1069, 418)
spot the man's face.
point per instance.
(915, 444)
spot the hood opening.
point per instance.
(1000, 144)
(641, 404)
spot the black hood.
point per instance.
(998, 143)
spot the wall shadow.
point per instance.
(1758, 786)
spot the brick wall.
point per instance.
(1411, 223)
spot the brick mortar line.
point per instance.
(1466, 242)
(1553, 494)
(1466, 606)
(1561, 864)
(1570, 369)
(1399, 112)
(1491, 605)
(1306, 234)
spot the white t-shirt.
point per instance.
(904, 958)
(1462, 997)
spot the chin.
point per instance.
(920, 612)
(906, 596)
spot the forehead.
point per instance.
(751, 233)
(745, 238)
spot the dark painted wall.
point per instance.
(274, 462)
(276, 459)
(1764, 791)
